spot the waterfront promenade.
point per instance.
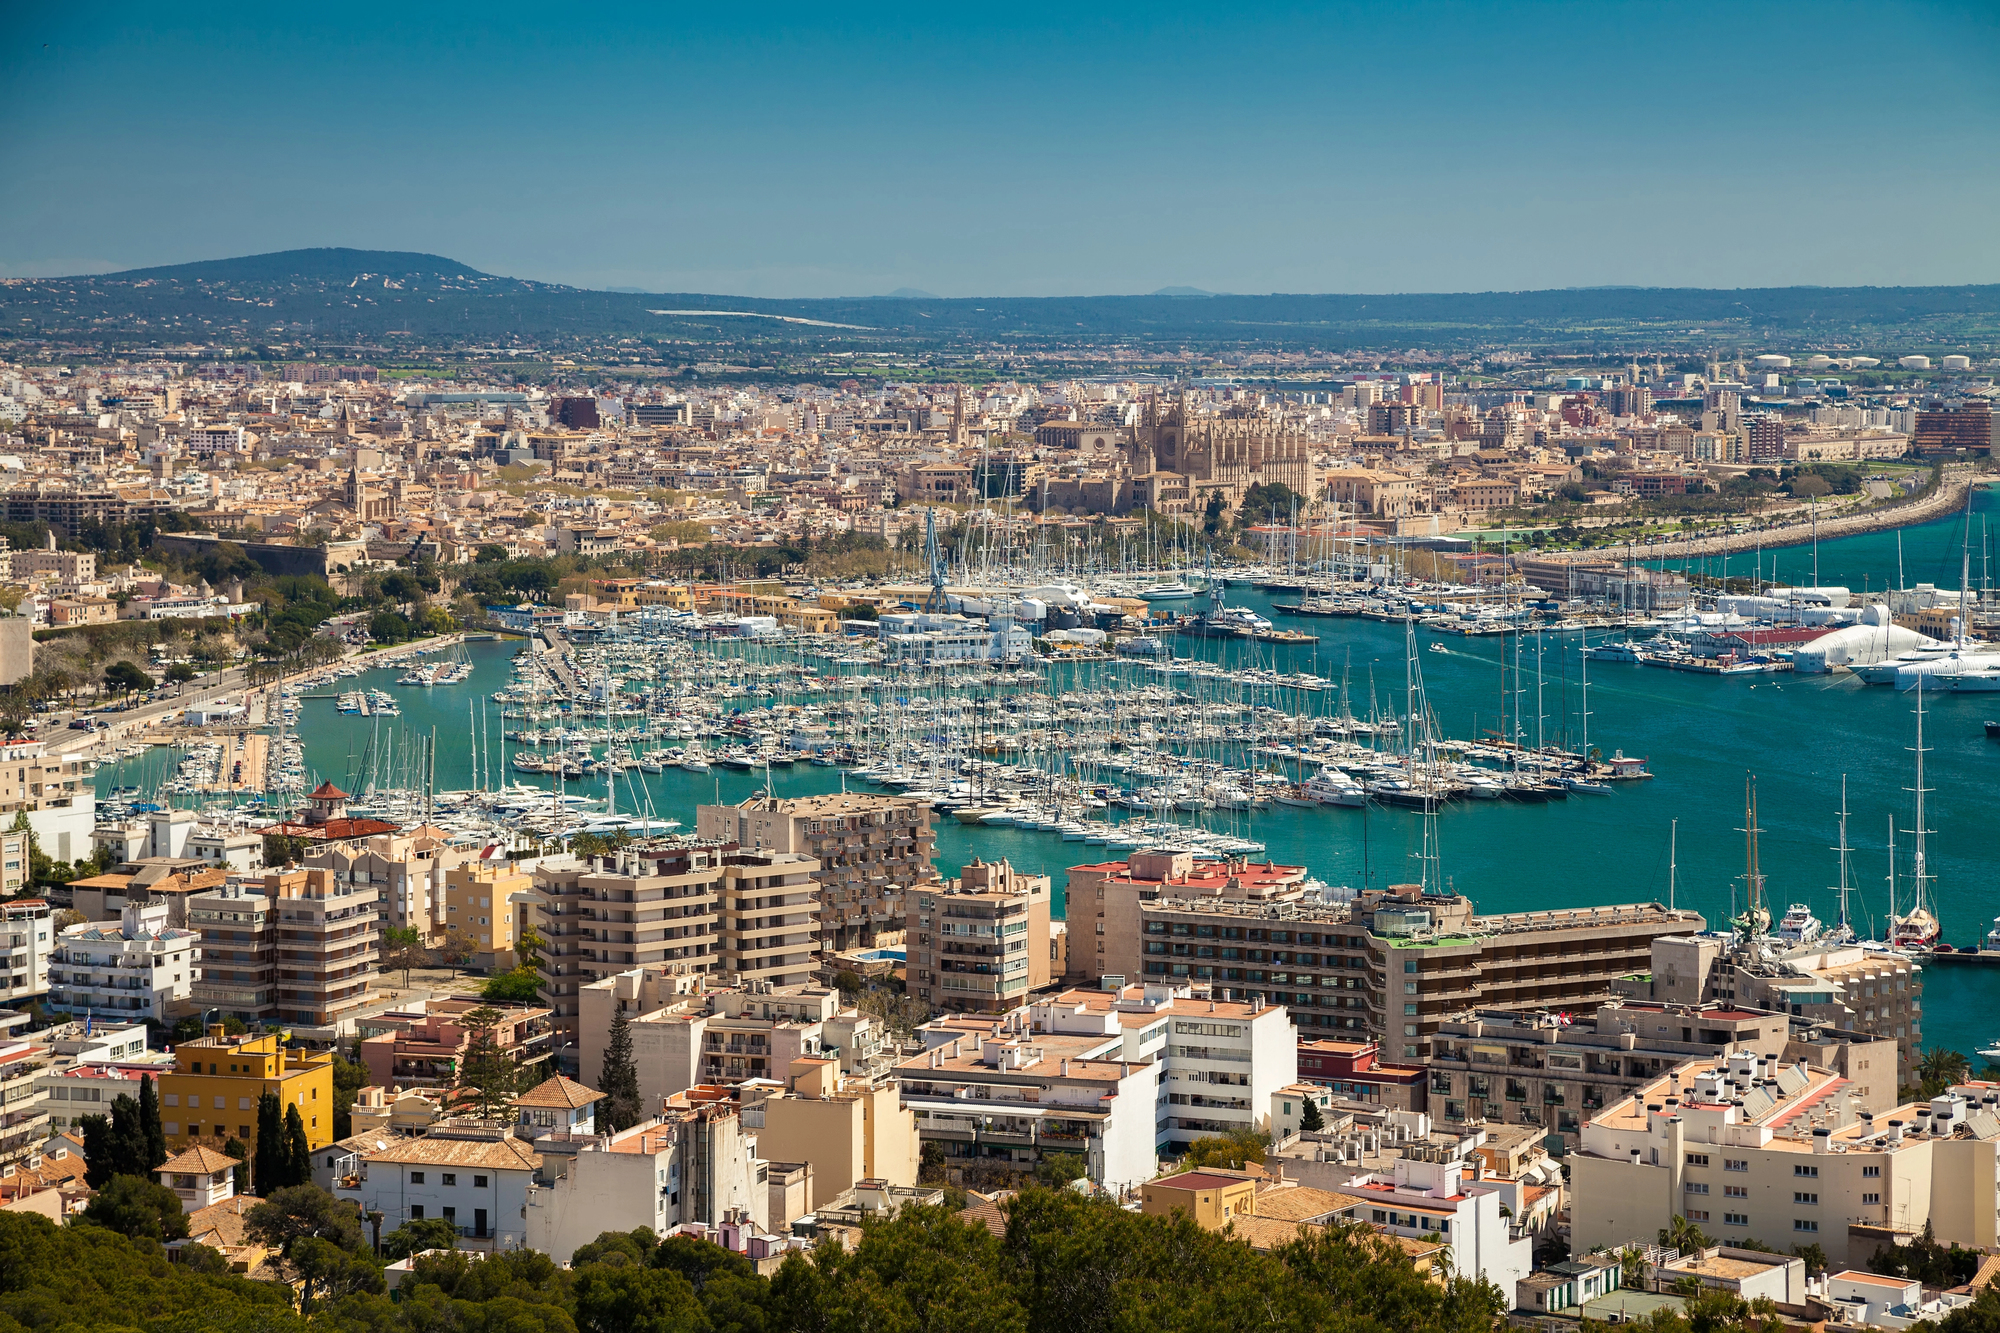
(1800, 530)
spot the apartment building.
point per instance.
(1393, 964)
(27, 935)
(1104, 900)
(1555, 1071)
(139, 968)
(1355, 1072)
(870, 851)
(1008, 1099)
(849, 1129)
(408, 869)
(768, 922)
(24, 1116)
(427, 1050)
(239, 951)
(213, 1088)
(978, 942)
(14, 871)
(328, 945)
(1750, 1147)
(686, 1033)
(478, 906)
(54, 792)
(695, 1164)
(1843, 989)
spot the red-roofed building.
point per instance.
(1352, 1071)
(1104, 900)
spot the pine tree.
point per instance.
(298, 1153)
(151, 1129)
(128, 1140)
(273, 1158)
(619, 1080)
(488, 1072)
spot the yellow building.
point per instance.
(213, 1089)
(1211, 1198)
(847, 1129)
(476, 904)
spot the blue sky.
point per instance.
(782, 150)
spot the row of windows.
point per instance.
(447, 1178)
(1743, 1220)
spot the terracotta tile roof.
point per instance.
(558, 1091)
(500, 1154)
(987, 1212)
(1302, 1203)
(1268, 1233)
(199, 1160)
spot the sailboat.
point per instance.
(1754, 920)
(1918, 929)
(1842, 930)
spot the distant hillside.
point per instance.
(321, 265)
(394, 299)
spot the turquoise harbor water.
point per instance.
(1798, 736)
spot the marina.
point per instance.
(1266, 744)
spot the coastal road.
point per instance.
(1950, 495)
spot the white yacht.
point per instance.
(1330, 786)
(1176, 591)
(1799, 925)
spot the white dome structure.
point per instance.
(1957, 363)
(1914, 362)
(1772, 361)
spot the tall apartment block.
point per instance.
(329, 938)
(981, 941)
(239, 947)
(871, 850)
(678, 908)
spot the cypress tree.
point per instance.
(128, 1140)
(273, 1158)
(298, 1153)
(98, 1166)
(619, 1080)
(241, 1152)
(1310, 1119)
(151, 1128)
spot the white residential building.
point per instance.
(1430, 1193)
(27, 941)
(1749, 1148)
(474, 1175)
(138, 968)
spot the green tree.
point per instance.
(151, 1130)
(1683, 1235)
(326, 1271)
(289, 1215)
(1058, 1169)
(238, 1149)
(298, 1149)
(1938, 1069)
(136, 1207)
(274, 1157)
(521, 985)
(180, 673)
(128, 1138)
(123, 677)
(100, 1159)
(417, 1235)
(403, 946)
(349, 1078)
(1230, 1151)
(635, 1300)
(283, 849)
(487, 1072)
(1310, 1120)
(619, 1079)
